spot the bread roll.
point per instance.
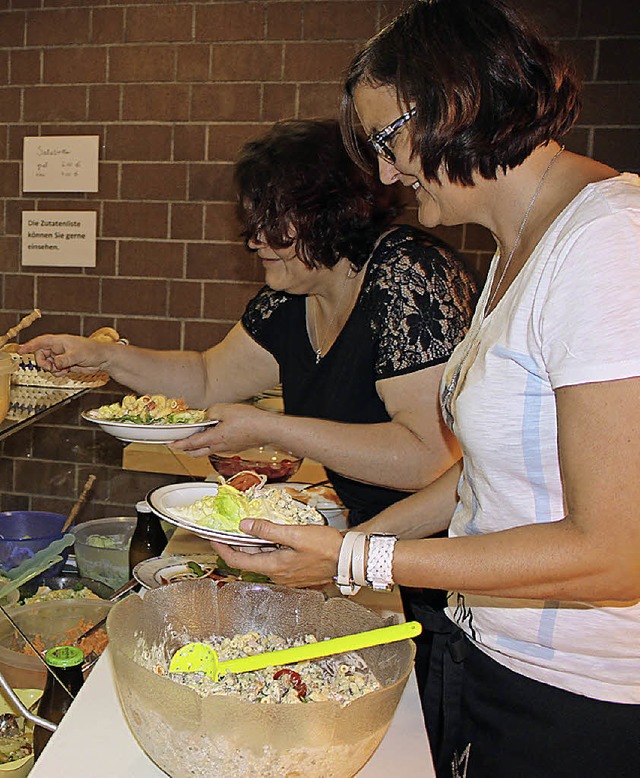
(105, 335)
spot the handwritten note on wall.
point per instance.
(54, 163)
(59, 238)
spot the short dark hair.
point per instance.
(299, 175)
(487, 88)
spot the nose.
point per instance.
(257, 241)
(387, 171)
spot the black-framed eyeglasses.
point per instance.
(379, 139)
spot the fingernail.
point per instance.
(246, 525)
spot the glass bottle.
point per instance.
(148, 538)
(66, 663)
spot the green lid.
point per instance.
(64, 656)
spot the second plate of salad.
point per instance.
(214, 511)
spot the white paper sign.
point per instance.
(59, 238)
(60, 163)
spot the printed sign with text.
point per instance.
(59, 238)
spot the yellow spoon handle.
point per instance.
(372, 637)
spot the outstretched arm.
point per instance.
(235, 369)
(408, 452)
(591, 555)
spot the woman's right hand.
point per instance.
(60, 353)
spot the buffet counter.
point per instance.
(94, 738)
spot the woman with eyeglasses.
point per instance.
(357, 319)
(535, 668)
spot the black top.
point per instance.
(414, 306)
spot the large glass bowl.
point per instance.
(188, 735)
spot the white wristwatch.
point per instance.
(380, 561)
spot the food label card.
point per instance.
(59, 238)
(60, 163)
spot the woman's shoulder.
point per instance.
(406, 253)
(263, 306)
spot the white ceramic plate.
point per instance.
(148, 433)
(164, 570)
(161, 570)
(165, 499)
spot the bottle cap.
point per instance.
(143, 507)
(64, 656)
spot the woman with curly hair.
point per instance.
(357, 320)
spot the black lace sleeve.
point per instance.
(258, 313)
(420, 301)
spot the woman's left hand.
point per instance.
(309, 557)
(240, 426)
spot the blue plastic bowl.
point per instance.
(24, 533)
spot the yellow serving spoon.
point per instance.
(202, 658)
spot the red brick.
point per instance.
(226, 140)
(133, 296)
(151, 102)
(230, 22)
(227, 301)
(246, 62)
(55, 103)
(168, 23)
(138, 142)
(189, 141)
(211, 181)
(279, 101)
(25, 66)
(4, 68)
(15, 137)
(187, 221)
(135, 220)
(64, 293)
(159, 181)
(618, 147)
(339, 20)
(223, 261)
(107, 182)
(185, 299)
(284, 21)
(104, 103)
(9, 254)
(200, 336)
(9, 179)
(12, 28)
(105, 260)
(152, 333)
(141, 63)
(222, 222)
(107, 25)
(317, 61)
(84, 65)
(225, 102)
(611, 104)
(619, 59)
(616, 17)
(19, 287)
(320, 100)
(150, 259)
(13, 214)
(193, 62)
(55, 27)
(10, 104)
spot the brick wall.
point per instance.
(173, 89)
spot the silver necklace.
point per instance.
(453, 385)
(319, 349)
(523, 224)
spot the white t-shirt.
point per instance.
(571, 316)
